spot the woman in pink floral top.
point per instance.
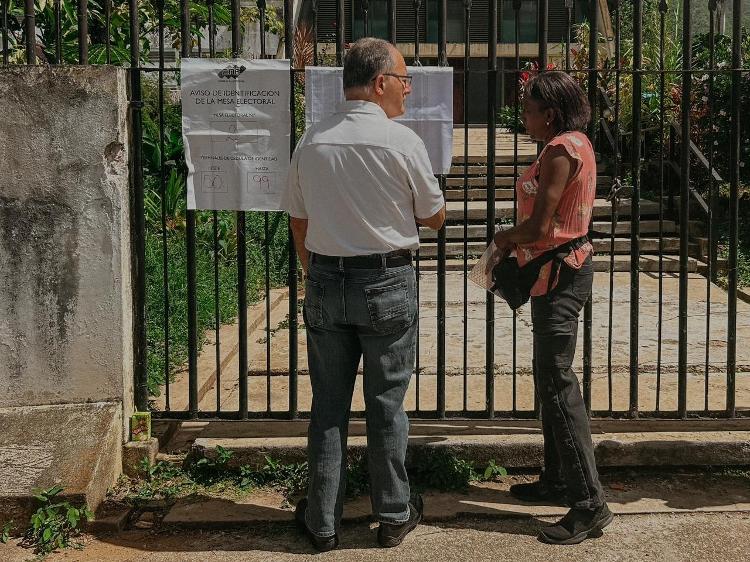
(555, 202)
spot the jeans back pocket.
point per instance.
(313, 308)
(389, 307)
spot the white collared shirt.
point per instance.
(360, 179)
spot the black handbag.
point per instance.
(513, 283)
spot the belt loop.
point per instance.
(341, 263)
(312, 258)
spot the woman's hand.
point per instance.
(503, 247)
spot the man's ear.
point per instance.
(379, 85)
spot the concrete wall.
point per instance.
(65, 296)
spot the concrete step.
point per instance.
(480, 170)
(647, 227)
(510, 449)
(602, 182)
(503, 156)
(648, 264)
(600, 228)
(477, 210)
(601, 246)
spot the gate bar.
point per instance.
(733, 207)
(83, 32)
(491, 146)
(687, 57)
(442, 61)
(635, 205)
(139, 222)
(30, 28)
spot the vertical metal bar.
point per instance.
(58, 33)
(710, 273)
(83, 32)
(241, 252)
(392, 21)
(416, 4)
(516, 115)
(29, 19)
(568, 27)
(215, 221)
(543, 33)
(266, 235)
(734, 180)
(593, 95)
(442, 61)
(163, 190)
(6, 58)
(108, 30)
(417, 7)
(467, 62)
(211, 29)
(292, 279)
(635, 205)
(185, 51)
(662, 116)
(340, 32)
(615, 201)
(687, 52)
(489, 365)
(262, 27)
(138, 219)
(287, 23)
(366, 17)
(199, 42)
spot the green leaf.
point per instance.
(47, 534)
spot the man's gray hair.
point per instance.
(367, 58)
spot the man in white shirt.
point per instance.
(359, 184)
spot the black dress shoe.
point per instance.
(539, 492)
(577, 526)
(390, 535)
(321, 544)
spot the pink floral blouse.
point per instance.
(573, 214)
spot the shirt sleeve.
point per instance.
(292, 200)
(428, 199)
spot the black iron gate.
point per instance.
(667, 105)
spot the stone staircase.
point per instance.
(468, 220)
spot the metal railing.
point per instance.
(21, 31)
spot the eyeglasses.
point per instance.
(405, 79)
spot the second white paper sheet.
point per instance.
(429, 107)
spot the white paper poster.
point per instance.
(429, 107)
(236, 124)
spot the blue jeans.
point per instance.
(351, 314)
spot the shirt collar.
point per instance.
(361, 106)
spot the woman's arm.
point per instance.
(555, 171)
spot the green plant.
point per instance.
(55, 523)
(441, 470)
(506, 118)
(493, 470)
(210, 470)
(5, 533)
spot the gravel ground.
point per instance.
(694, 537)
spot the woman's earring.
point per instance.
(548, 123)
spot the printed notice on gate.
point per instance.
(429, 107)
(236, 125)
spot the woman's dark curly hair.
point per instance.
(560, 92)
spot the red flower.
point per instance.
(524, 76)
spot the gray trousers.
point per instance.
(353, 314)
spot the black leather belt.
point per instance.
(397, 258)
